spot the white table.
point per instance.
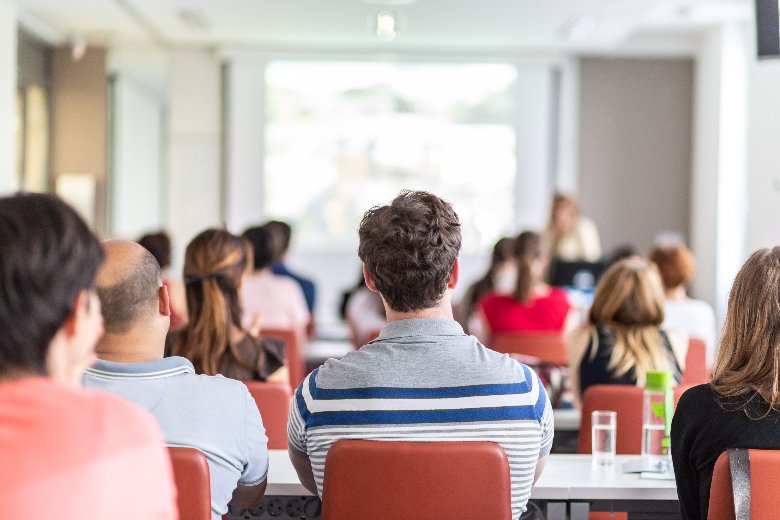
(568, 482)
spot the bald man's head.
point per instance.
(128, 284)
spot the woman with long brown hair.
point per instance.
(215, 264)
(533, 305)
(740, 407)
(623, 339)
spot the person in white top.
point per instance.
(694, 317)
(270, 301)
(569, 236)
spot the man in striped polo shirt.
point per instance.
(423, 378)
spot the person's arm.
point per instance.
(539, 467)
(248, 495)
(251, 486)
(302, 467)
(577, 343)
(296, 447)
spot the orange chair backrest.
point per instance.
(695, 363)
(273, 401)
(763, 473)
(293, 341)
(626, 400)
(193, 483)
(385, 480)
(548, 347)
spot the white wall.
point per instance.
(8, 178)
(194, 200)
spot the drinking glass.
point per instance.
(604, 434)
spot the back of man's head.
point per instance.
(280, 235)
(409, 248)
(129, 286)
(262, 246)
(49, 256)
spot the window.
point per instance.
(343, 136)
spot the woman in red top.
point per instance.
(534, 306)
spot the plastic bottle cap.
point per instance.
(659, 381)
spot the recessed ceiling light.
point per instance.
(385, 26)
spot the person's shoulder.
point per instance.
(699, 397)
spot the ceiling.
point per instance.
(464, 26)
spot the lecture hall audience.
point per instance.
(65, 452)
(214, 340)
(740, 407)
(214, 414)
(623, 338)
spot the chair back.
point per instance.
(547, 347)
(744, 485)
(293, 341)
(193, 483)
(626, 400)
(273, 401)
(385, 480)
(695, 372)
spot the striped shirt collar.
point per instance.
(416, 327)
(166, 367)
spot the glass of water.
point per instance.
(603, 436)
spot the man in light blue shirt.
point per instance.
(211, 413)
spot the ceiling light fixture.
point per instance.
(385, 26)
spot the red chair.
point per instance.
(758, 472)
(547, 347)
(627, 401)
(273, 401)
(193, 484)
(433, 480)
(695, 363)
(293, 341)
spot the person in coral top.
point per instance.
(65, 452)
(534, 306)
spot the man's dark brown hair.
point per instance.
(409, 248)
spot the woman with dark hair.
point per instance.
(500, 277)
(533, 305)
(214, 340)
(740, 407)
(623, 339)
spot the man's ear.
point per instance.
(369, 282)
(164, 300)
(454, 275)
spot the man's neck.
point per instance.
(130, 348)
(442, 310)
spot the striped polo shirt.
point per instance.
(425, 380)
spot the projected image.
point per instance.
(343, 136)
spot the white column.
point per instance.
(8, 179)
(534, 176)
(245, 120)
(194, 148)
(719, 177)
